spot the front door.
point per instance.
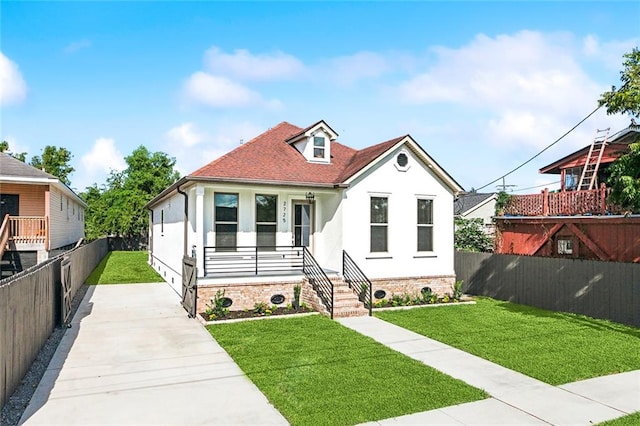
(302, 224)
(9, 205)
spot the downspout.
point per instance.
(186, 217)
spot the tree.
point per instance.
(625, 179)
(55, 161)
(4, 147)
(624, 176)
(626, 99)
(117, 208)
(470, 236)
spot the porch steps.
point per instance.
(345, 301)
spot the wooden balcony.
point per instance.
(565, 203)
(28, 232)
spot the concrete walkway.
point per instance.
(133, 357)
(515, 398)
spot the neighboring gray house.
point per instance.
(477, 206)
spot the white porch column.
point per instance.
(199, 243)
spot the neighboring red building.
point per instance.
(574, 223)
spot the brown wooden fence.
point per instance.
(30, 306)
(606, 290)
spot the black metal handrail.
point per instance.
(357, 280)
(252, 260)
(318, 279)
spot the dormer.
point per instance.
(314, 142)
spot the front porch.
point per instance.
(24, 233)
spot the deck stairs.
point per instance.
(589, 176)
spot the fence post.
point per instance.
(545, 202)
(603, 198)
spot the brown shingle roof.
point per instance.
(268, 157)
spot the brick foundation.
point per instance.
(245, 296)
(414, 285)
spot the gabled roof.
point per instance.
(468, 202)
(269, 158)
(618, 143)
(11, 167)
(16, 171)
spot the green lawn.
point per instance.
(317, 372)
(629, 420)
(554, 347)
(122, 267)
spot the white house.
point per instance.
(246, 216)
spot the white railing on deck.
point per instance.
(29, 230)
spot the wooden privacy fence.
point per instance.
(31, 307)
(606, 290)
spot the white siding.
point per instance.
(66, 223)
(167, 244)
(486, 211)
(403, 189)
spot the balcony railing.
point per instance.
(29, 230)
(566, 203)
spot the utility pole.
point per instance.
(504, 186)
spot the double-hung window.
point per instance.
(266, 221)
(425, 225)
(379, 224)
(318, 147)
(226, 220)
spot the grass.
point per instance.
(123, 267)
(629, 420)
(317, 372)
(554, 347)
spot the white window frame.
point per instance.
(425, 225)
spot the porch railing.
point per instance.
(4, 234)
(318, 280)
(252, 260)
(29, 230)
(566, 203)
(357, 281)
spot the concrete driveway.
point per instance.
(133, 357)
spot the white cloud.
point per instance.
(185, 135)
(609, 53)
(218, 143)
(221, 92)
(529, 85)
(103, 157)
(77, 45)
(244, 65)
(13, 89)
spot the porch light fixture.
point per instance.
(310, 197)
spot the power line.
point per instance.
(539, 153)
(537, 186)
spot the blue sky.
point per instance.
(481, 86)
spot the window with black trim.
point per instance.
(226, 220)
(379, 224)
(318, 147)
(266, 221)
(425, 225)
